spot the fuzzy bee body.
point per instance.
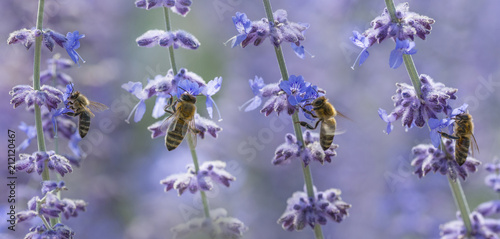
(183, 113)
(325, 112)
(463, 132)
(81, 107)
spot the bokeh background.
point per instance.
(120, 176)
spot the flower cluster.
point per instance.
(53, 71)
(176, 39)
(36, 161)
(59, 231)
(218, 226)
(287, 95)
(312, 151)
(70, 42)
(181, 7)
(415, 110)
(428, 158)
(47, 96)
(163, 87)
(281, 30)
(209, 172)
(302, 210)
(493, 178)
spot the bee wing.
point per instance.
(344, 116)
(96, 107)
(192, 129)
(474, 145)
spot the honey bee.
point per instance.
(325, 113)
(463, 132)
(82, 106)
(182, 111)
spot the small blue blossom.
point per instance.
(30, 131)
(209, 172)
(402, 47)
(413, 109)
(492, 180)
(302, 210)
(295, 88)
(243, 26)
(361, 41)
(256, 85)
(73, 145)
(73, 43)
(190, 87)
(54, 65)
(388, 119)
(482, 228)
(218, 226)
(212, 88)
(136, 89)
(48, 186)
(299, 50)
(428, 158)
(58, 231)
(437, 126)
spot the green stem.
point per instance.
(190, 140)
(171, 48)
(295, 118)
(408, 60)
(461, 202)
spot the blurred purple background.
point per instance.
(120, 176)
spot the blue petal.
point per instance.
(255, 102)
(135, 88)
(159, 108)
(139, 112)
(69, 90)
(237, 40)
(383, 115)
(241, 22)
(459, 110)
(359, 40)
(299, 50)
(435, 138)
(256, 85)
(285, 85)
(213, 86)
(210, 110)
(188, 86)
(395, 59)
(363, 56)
(73, 144)
(73, 43)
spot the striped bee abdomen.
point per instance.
(84, 124)
(462, 149)
(174, 137)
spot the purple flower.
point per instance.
(58, 231)
(388, 119)
(73, 43)
(402, 47)
(218, 226)
(73, 145)
(437, 126)
(291, 150)
(180, 7)
(25, 216)
(48, 186)
(212, 171)
(140, 108)
(176, 39)
(428, 158)
(412, 109)
(36, 161)
(23, 36)
(57, 120)
(54, 65)
(489, 208)
(492, 180)
(257, 84)
(295, 88)
(482, 228)
(403, 28)
(30, 131)
(281, 30)
(212, 88)
(190, 87)
(362, 42)
(47, 95)
(302, 210)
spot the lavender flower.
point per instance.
(203, 125)
(492, 180)
(291, 150)
(413, 109)
(428, 158)
(73, 43)
(23, 36)
(36, 161)
(489, 208)
(407, 25)
(281, 30)
(257, 84)
(30, 131)
(180, 7)
(211, 171)
(136, 89)
(302, 210)
(59, 231)
(51, 206)
(295, 88)
(406, 47)
(176, 39)
(362, 42)
(212, 88)
(52, 185)
(218, 226)
(54, 65)
(481, 228)
(47, 95)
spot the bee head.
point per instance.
(188, 97)
(318, 102)
(74, 95)
(463, 116)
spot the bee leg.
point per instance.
(195, 130)
(305, 124)
(308, 112)
(447, 135)
(169, 104)
(71, 114)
